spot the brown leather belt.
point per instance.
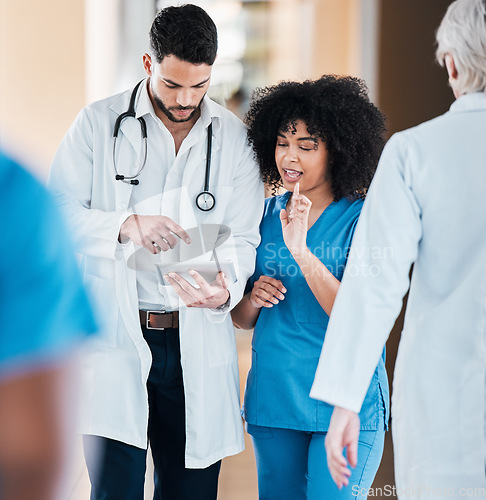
(158, 320)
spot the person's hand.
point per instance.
(343, 432)
(156, 233)
(207, 295)
(266, 292)
(295, 223)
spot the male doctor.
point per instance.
(164, 371)
(426, 206)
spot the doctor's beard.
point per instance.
(167, 111)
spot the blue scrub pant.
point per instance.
(117, 470)
(292, 464)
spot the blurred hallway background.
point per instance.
(57, 56)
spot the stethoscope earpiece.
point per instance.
(205, 201)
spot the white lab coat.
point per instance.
(117, 363)
(427, 206)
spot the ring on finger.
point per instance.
(166, 241)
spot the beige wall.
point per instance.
(335, 44)
(42, 82)
(309, 38)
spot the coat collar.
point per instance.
(130, 128)
(469, 102)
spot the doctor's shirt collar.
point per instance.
(210, 112)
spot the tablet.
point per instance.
(207, 269)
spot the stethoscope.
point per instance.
(205, 200)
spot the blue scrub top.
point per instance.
(44, 309)
(288, 337)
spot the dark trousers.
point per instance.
(117, 470)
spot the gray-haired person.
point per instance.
(426, 206)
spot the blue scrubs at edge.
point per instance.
(44, 309)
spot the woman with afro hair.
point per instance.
(319, 140)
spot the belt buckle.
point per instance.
(147, 321)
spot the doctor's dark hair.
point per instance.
(186, 32)
(336, 109)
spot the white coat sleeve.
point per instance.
(374, 283)
(242, 216)
(71, 179)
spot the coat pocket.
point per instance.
(103, 299)
(309, 310)
(220, 344)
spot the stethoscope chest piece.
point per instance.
(205, 201)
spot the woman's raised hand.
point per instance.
(295, 223)
(266, 292)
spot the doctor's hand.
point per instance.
(295, 223)
(266, 292)
(207, 295)
(156, 233)
(343, 432)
